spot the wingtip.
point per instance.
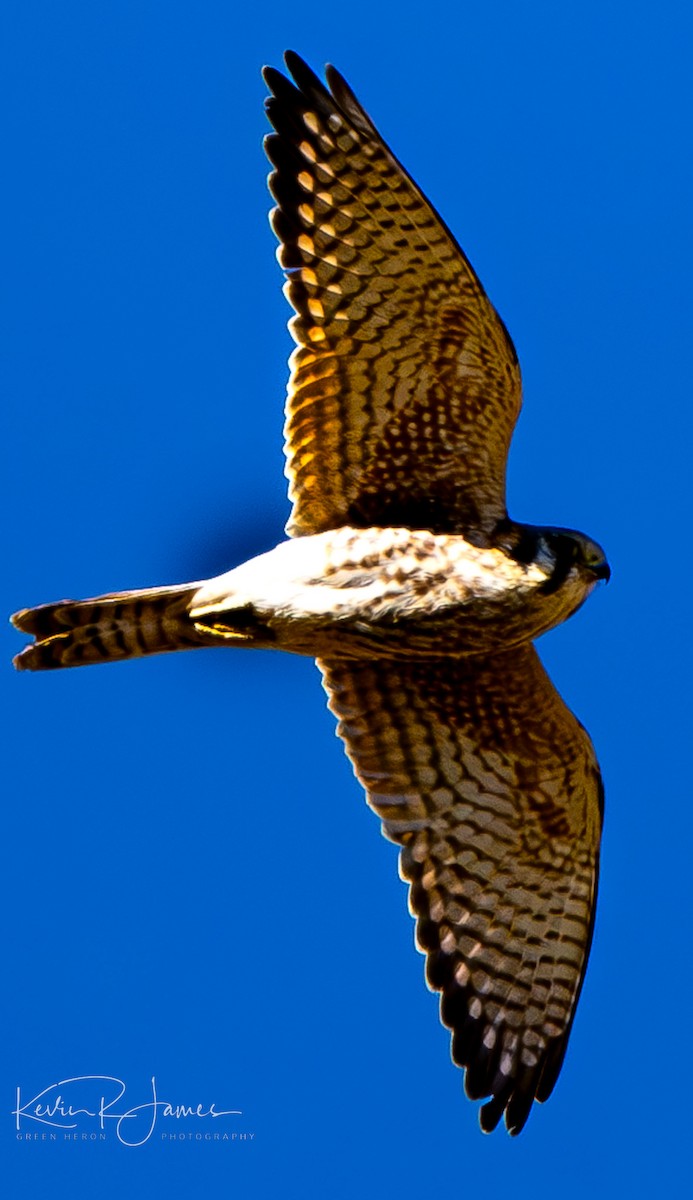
(291, 56)
(272, 77)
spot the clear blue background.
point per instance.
(195, 887)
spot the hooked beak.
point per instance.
(603, 571)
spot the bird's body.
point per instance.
(346, 593)
(390, 593)
(418, 594)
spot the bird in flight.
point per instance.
(419, 596)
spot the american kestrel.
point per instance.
(418, 594)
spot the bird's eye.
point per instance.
(593, 556)
(594, 559)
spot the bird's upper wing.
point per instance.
(490, 785)
(405, 385)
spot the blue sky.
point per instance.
(196, 890)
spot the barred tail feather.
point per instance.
(72, 633)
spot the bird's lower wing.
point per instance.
(490, 785)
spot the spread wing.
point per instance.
(405, 386)
(490, 785)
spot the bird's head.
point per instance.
(566, 551)
(564, 555)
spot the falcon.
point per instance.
(420, 597)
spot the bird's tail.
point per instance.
(72, 633)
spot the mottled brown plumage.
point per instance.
(479, 771)
(405, 386)
(417, 592)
